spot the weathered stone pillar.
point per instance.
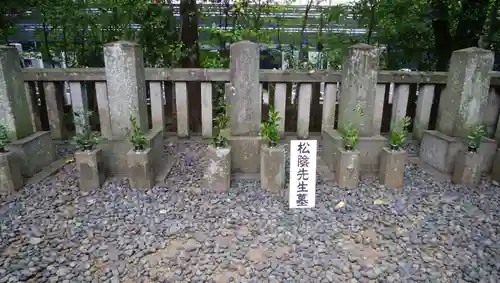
(357, 101)
(126, 84)
(245, 100)
(126, 96)
(467, 89)
(13, 99)
(246, 107)
(34, 151)
(461, 106)
(358, 88)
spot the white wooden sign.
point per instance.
(303, 173)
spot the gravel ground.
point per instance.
(432, 231)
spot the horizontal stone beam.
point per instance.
(222, 75)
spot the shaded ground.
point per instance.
(432, 231)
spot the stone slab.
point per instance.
(115, 152)
(35, 152)
(358, 87)
(272, 168)
(347, 169)
(245, 97)
(48, 171)
(465, 98)
(90, 166)
(141, 171)
(217, 175)
(440, 150)
(245, 154)
(467, 169)
(392, 167)
(487, 150)
(369, 148)
(10, 173)
(126, 85)
(495, 171)
(115, 156)
(156, 142)
(13, 98)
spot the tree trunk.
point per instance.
(443, 40)
(470, 24)
(189, 36)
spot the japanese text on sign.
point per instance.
(303, 173)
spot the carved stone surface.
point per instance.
(272, 168)
(90, 166)
(217, 175)
(467, 169)
(245, 154)
(141, 171)
(392, 167)
(36, 152)
(10, 172)
(347, 172)
(368, 147)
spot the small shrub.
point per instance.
(85, 139)
(136, 136)
(350, 136)
(5, 140)
(399, 133)
(269, 129)
(221, 123)
(475, 136)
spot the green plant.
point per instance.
(136, 136)
(85, 138)
(5, 139)
(221, 122)
(269, 129)
(350, 136)
(399, 133)
(475, 136)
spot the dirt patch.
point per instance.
(257, 255)
(361, 248)
(226, 277)
(281, 251)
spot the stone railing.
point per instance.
(398, 94)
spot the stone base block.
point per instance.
(11, 178)
(347, 169)
(487, 150)
(245, 154)
(217, 175)
(156, 142)
(115, 157)
(115, 152)
(35, 152)
(392, 167)
(272, 168)
(90, 166)
(141, 171)
(440, 151)
(368, 147)
(495, 171)
(467, 169)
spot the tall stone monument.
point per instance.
(126, 97)
(357, 100)
(246, 107)
(461, 106)
(35, 150)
